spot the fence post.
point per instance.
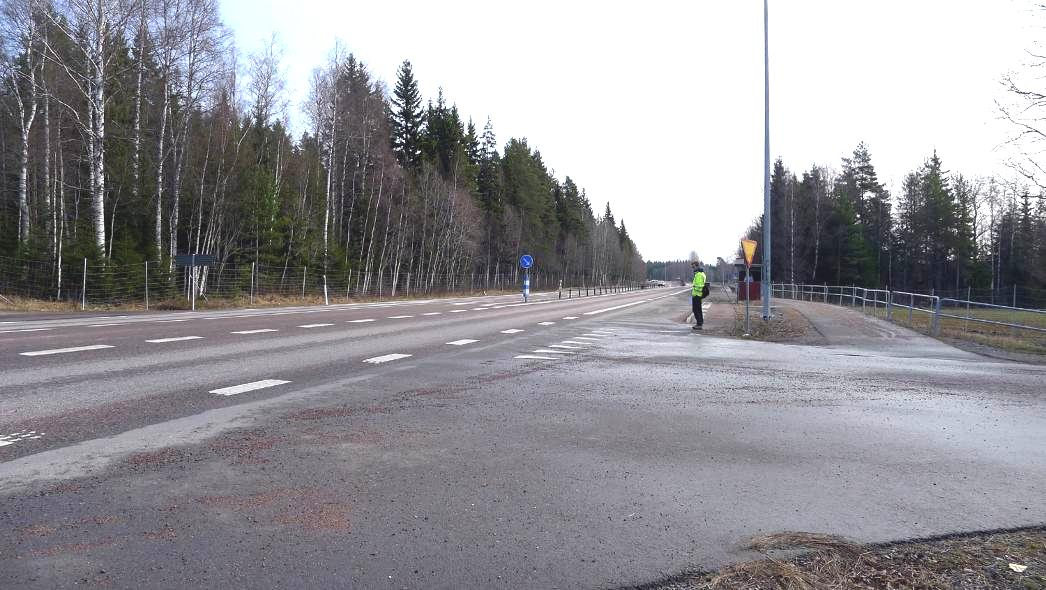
(1015, 295)
(826, 292)
(967, 320)
(83, 293)
(146, 285)
(252, 281)
(911, 304)
(936, 329)
(853, 295)
(326, 301)
(304, 270)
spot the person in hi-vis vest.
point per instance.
(697, 293)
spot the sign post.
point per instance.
(748, 247)
(525, 262)
(192, 261)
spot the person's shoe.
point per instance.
(696, 328)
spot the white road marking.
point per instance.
(458, 310)
(480, 308)
(575, 342)
(570, 317)
(546, 323)
(169, 321)
(535, 357)
(315, 325)
(586, 338)
(564, 347)
(65, 350)
(102, 325)
(399, 317)
(511, 331)
(594, 312)
(178, 339)
(462, 342)
(261, 331)
(238, 389)
(548, 351)
(26, 330)
(359, 321)
(14, 437)
(433, 313)
(386, 358)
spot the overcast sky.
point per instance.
(657, 107)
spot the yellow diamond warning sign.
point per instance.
(749, 249)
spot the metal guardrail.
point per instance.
(913, 309)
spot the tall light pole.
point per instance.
(766, 164)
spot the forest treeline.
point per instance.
(127, 133)
(943, 231)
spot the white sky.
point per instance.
(657, 107)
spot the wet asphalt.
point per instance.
(639, 450)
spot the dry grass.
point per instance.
(20, 304)
(787, 326)
(821, 562)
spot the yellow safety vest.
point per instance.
(699, 284)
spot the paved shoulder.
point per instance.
(851, 329)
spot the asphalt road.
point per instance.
(482, 442)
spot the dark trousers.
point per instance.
(699, 316)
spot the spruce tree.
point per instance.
(407, 118)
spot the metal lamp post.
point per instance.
(766, 279)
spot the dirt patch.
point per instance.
(982, 561)
(307, 508)
(156, 458)
(70, 548)
(786, 325)
(245, 448)
(164, 534)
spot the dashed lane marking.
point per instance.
(386, 358)
(65, 350)
(586, 338)
(596, 311)
(21, 435)
(103, 325)
(570, 317)
(238, 389)
(26, 330)
(177, 339)
(261, 331)
(480, 308)
(359, 321)
(433, 313)
(399, 317)
(576, 342)
(546, 323)
(462, 342)
(511, 331)
(549, 351)
(315, 325)
(535, 357)
(458, 310)
(564, 347)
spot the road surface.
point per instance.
(481, 442)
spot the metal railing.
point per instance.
(931, 313)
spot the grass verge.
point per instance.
(978, 561)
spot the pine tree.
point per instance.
(407, 118)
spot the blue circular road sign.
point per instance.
(526, 261)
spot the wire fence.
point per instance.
(1021, 329)
(156, 285)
